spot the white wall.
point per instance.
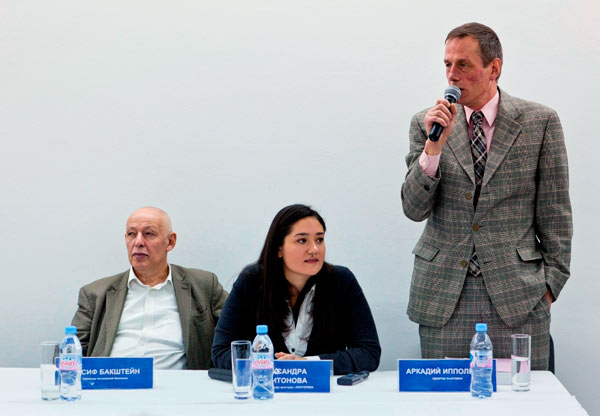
(223, 112)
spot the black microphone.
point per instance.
(452, 94)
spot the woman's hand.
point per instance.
(286, 356)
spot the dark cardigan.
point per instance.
(353, 345)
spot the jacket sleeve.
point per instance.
(418, 189)
(362, 351)
(83, 320)
(218, 298)
(553, 220)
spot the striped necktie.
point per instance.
(479, 153)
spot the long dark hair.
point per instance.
(273, 306)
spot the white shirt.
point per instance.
(150, 325)
(296, 340)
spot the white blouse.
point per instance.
(296, 339)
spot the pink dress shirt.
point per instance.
(430, 163)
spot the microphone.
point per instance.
(452, 94)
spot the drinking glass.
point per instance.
(50, 380)
(240, 369)
(520, 362)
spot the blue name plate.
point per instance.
(437, 375)
(302, 376)
(117, 373)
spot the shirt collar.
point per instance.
(489, 110)
(133, 277)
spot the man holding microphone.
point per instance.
(494, 189)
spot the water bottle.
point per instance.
(262, 364)
(70, 365)
(481, 363)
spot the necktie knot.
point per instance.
(477, 117)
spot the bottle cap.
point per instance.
(70, 330)
(262, 329)
(481, 327)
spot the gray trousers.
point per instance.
(474, 305)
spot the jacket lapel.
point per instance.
(507, 130)
(460, 144)
(184, 304)
(115, 301)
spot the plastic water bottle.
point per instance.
(481, 363)
(262, 364)
(70, 365)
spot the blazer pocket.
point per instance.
(201, 316)
(425, 251)
(529, 253)
(203, 329)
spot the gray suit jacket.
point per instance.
(200, 299)
(521, 229)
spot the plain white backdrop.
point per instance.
(222, 112)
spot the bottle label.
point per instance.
(481, 359)
(262, 362)
(70, 362)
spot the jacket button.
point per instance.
(463, 263)
(468, 196)
(475, 227)
(427, 188)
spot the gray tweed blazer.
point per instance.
(522, 227)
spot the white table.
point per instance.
(193, 393)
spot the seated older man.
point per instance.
(155, 309)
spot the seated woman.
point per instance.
(314, 310)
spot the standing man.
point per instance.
(155, 309)
(495, 192)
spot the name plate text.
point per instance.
(302, 376)
(437, 375)
(117, 373)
